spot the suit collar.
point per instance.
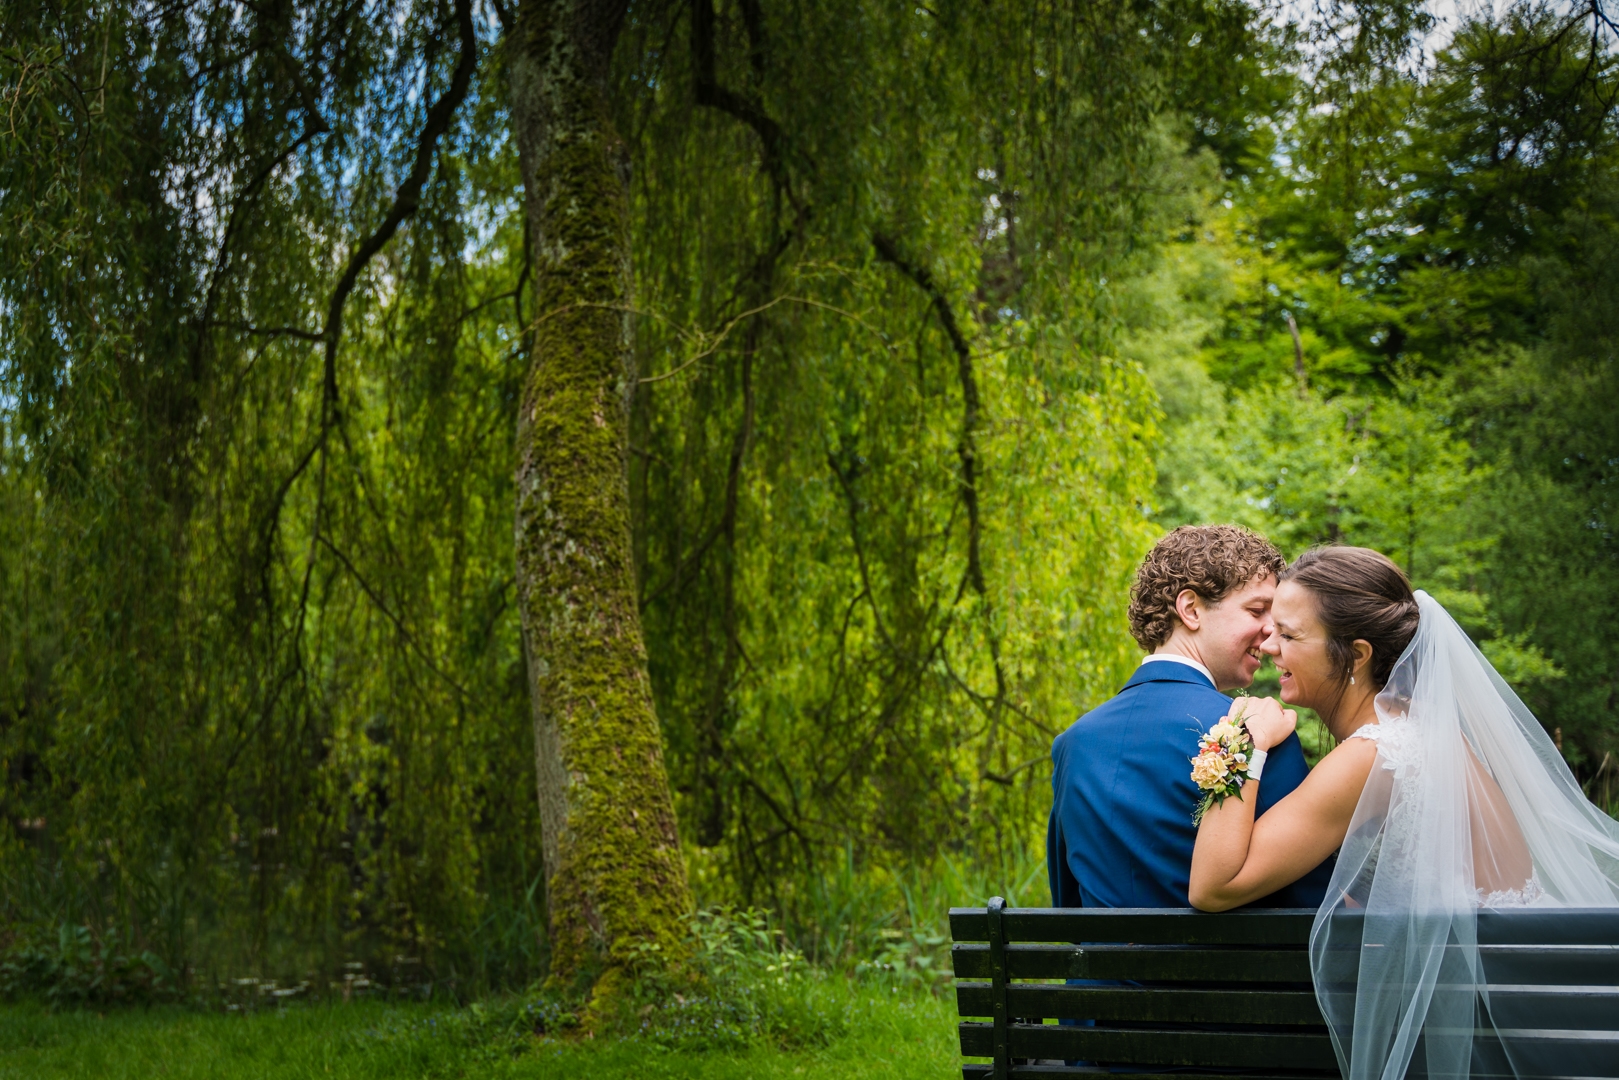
(1166, 671)
(1176, 658)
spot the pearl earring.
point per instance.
(1351, 680)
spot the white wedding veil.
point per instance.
(1469, 807)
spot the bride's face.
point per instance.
(1298, 646)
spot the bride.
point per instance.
(1443, 797)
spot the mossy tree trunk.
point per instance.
(616, 882)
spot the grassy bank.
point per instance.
(883, 1032)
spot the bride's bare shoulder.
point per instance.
(1360, 749)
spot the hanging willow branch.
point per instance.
(967, 445)
(710, 92)
(406, 199)
(967, 451)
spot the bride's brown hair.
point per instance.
(1359, 594)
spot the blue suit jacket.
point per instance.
(1121, 831)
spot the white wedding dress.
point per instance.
(1469, 808)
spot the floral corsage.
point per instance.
(1221, 767)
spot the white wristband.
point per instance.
(1256, 764)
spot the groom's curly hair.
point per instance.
(1211, 560)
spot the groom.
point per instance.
(1121, 831)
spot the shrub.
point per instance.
(746, 985)
(78, 968)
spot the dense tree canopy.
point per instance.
(1446, 282)
(940, 314)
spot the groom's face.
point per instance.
(1233, 630)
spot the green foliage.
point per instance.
(890, 462)
(1449, 399)
(889, 927)
(74, 969)
(261, 706)
(750, 987)
(941, 314)
(262, 691)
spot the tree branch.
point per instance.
(315, 126)
(709, 92)
(966, 449)
(382, 606)
(967, 445)
(406, 199)
(272, 331)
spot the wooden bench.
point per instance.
(1244, 978)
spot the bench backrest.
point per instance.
(1175, 988)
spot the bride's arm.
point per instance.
(1237, 860)
(1501, 860)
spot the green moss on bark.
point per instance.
(617, 892)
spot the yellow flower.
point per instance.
(1209, 771)
(1224, 731)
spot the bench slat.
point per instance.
(1547, 1053)
(1549, 926)
(1160, 963)
(1146, 926)
(1276, 926)
(1036, 1072)
(1521, 926)
(1550, 1053)
(1563, 1007)
(1573, 965)
(1590, 1007)
(1586, 1008)
(1143, 1004)
(1227, 1049)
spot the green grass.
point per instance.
(889, 1034)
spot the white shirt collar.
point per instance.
(1179, 659)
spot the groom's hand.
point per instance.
(1267, 722)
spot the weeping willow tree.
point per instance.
(263, 689)
(804, 319)
(887, 470)
(887, 475)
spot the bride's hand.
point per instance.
(1267, 722)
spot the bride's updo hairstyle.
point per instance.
(1359, 595)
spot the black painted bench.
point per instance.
(1244, 978)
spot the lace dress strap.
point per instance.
(1370, 732)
